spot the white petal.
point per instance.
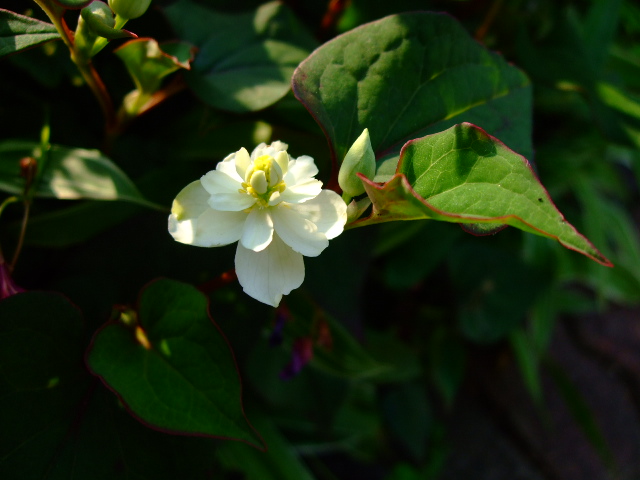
(298, 232)
(231, 202)
(302, 192)
(219, 182)
(282, 159)
(243, 160)
(214, 228)
(258, 151)
(190, 203)
(300, 170)
(258, 230)
(228, 167)
(193, 222)
(271, 273)
(327, 211)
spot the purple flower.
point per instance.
(301, 355)
(7, 286)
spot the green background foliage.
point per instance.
(132, 356)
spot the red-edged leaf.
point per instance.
(173, 369)
(465, 175)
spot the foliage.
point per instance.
(126, 354)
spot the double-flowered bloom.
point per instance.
(270, 204)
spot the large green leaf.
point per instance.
(18, 32)
(57, 422)
(69, 174)
(409, 75)
(465, 175)
(174, 370)
(245, 61)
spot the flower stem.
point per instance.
(23, 230)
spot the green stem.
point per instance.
(55, 13)
(88, 72)
(346, 197)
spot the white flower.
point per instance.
(270, 204)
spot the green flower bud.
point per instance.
(129, 8)
(359, 159)
(98, 17)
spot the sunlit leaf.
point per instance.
(409, 75)
(69, 174)
(464, 175)
(174, 370)
(18, 32)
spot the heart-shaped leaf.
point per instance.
(174, 370)
(465, 175)
(57, 421)
(69, 174)
(406, 76)
(18, 32)
(245, 61)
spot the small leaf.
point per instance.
(245, 61)
(70, 174)
(148, 63)
(175, 371)
(528, 362)
(408, 75)
(18, 32)
(464, 175)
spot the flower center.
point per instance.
(264, 180)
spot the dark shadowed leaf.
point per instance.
(245, 61)
(71, 4)
(41, 380)
(174, 370)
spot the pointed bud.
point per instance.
(359, 159)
